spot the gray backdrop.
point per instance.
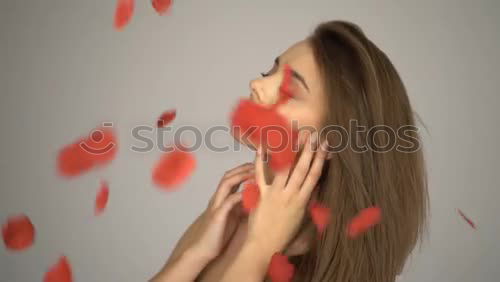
(64, 70)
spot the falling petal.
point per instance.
(251, 195)
(161, 6)
(173, 169)
(366, 219)
(320, 216)
(18, 233)
(280, 269)
(59, 272)
(468, 220)
(98, 149)
(123, 14)
(166, 118)
(102, 198)
(101, 146)
(73, 160)
(266, 127)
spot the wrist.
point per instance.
(195, 256)
(190, 260)
(259, 253)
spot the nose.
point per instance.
(256, 91)
(263, 91)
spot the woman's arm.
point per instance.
(250, 265)
(208, 235)
(185, 267)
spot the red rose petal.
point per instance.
(18, 233)
(468, 220)
(123, 14)
(366, 219)
(166, 118)
(73, 160)
(251, 196)
(285, 87)
(265, 126)
(320, 216)
(101, 199)
(100, 148)
(59, 272)
(173, 169)
(280, 269)
(161, 6)
(282, 159)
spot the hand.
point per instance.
(211, 231)
(282, 204)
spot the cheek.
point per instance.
(302, 117)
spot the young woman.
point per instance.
(338, 76)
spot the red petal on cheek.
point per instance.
(280, 269)
(166, 118)
(320, 216)
(366, 219)
(285, 87)
(173, 169)
(18, 233)
(102, 198)
(59, 272)
(251, 196)
(123, 14)
(162, 6)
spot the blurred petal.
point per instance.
(18, 233)
(161, 6)
(100, 148)
(467, 219)
(59, 272)
(366, 219)
(102, 197)
(320, 216)
(123, 13)
(173, 169)
(280, 269)
(251, 196)
(166, 118)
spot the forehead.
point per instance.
(300, 57)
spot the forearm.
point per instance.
(250, 265)
(185, 268)
(185, 241)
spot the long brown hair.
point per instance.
(361, 84)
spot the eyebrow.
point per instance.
(294, 74)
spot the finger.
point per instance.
(229, 185)
(229, 204)
(238, 169)
(299, 173)
(259, 169)
(315, 172)
(280, 178)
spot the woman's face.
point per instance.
(307, 107)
